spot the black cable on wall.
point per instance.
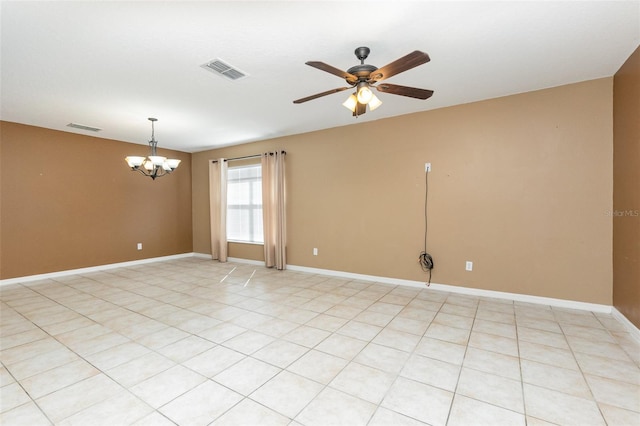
(425, 259)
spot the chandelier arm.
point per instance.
(138, 169)
(156, 173)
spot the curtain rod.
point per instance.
(248, 156)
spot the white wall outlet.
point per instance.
(315, 251)
(427, 167)
(139, 246)
(469, 266)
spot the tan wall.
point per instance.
(246, 251)
(520, 186)
(626, 189)
(70, 201)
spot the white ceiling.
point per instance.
(112, 64)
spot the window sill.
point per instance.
(245, 242)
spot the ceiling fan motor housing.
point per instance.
(363, 70)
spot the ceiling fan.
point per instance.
(364, 77)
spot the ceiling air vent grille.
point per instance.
(83, 127)
(219, 67)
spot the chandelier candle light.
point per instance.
(154, 165)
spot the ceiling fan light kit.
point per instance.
(363, 78)
(153, 166)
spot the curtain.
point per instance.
(218, 208)
(274, 210)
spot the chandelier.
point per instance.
(154, 165)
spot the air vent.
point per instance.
(83, 127)
(217, 66)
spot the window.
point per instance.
(244, 204)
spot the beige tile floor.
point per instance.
(195, 342)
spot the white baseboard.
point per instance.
(246, 261)
(633, 330)
(560, 303)
(354, 276)
(570, 304)
(202, 255)
(231, 259)
(38, 277)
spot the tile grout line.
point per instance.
(62, 300)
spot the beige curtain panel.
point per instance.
(218, 208)
(274, 209)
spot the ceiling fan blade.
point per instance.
(333, 70)
(360, 109)
(405, 63)
(319, 95)
(411, 92)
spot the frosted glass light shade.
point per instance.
(374, 102)
(148, 165)
(364, 94)
(134, 161)
(157, 160)
(351, 103)
(173, 163)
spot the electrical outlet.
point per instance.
(139, 246)
(469, 266)
(427, 167)
(315, 251)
